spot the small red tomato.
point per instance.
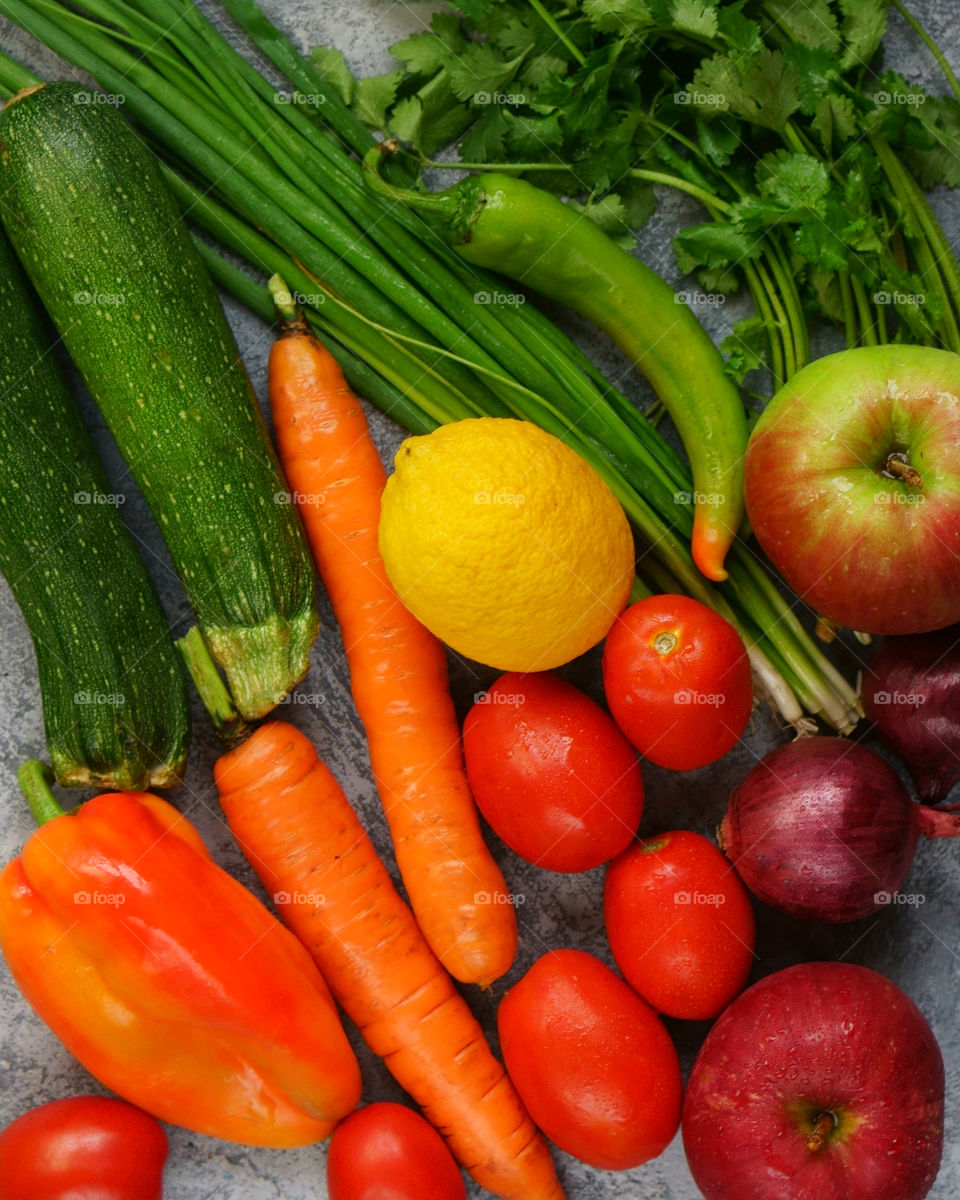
(83, 1148)
(387, 1151)
(678, 681)
(554, 777)
(592, 1061)
(680, 924)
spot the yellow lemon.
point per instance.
(505, 543)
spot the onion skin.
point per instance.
(823, 828)
(911, 692)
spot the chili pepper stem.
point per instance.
(211, 689)
(437, 202)
(35, 778)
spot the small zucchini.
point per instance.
(108, 251)
(114, 693)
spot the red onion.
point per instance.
(911, 692)
(823, 828)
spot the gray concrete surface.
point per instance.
(917, 947)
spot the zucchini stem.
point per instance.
(211, 689)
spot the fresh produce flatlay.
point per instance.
(537, 518)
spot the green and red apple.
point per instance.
(852, 485)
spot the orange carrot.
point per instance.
(398, 669)
(301, 836)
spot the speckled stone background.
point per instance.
(918, 946)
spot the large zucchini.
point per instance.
(107, 249)
(114, 694)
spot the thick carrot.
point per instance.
(398, 669)
(301, 836)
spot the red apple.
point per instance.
(820, 1082)
(852, 486)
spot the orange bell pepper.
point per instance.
(167, 979)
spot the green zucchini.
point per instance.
(108, 251)
(114, 692)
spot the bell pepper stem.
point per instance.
(211, 689)
(35, 778)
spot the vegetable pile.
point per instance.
(399, 310)
(507, 533)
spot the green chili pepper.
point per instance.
(513, 227)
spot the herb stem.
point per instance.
(681, 185)
(849, 310)
(935, 254)
(868, 332)
(786, 361)
(554, 28)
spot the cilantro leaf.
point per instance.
(334, 69)
(864, 24)
(939, 162)
(814, 71)
(543, 131)
(834, 120)
(478, 72)
(718, 140)
(618, 16)
(512, 35)
(639, 200)
(421, 53)
(819, 241)
(736, 30)
(713, 244)
(698, 17)
(761, 87)
(825, 286)
(484, 141)
(793, 180)
(429, 119)
(745, 348)
(541, 68)
(610, 214)
(476, 8)
(372, 97)
(809, 22)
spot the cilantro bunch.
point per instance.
(809, 158)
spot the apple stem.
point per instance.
(824, 1125)
(897, 466)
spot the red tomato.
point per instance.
(592, 1061)
(678, 681)
(83, 1148)
(680, 924)
(389, 1152)
(552, 774)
